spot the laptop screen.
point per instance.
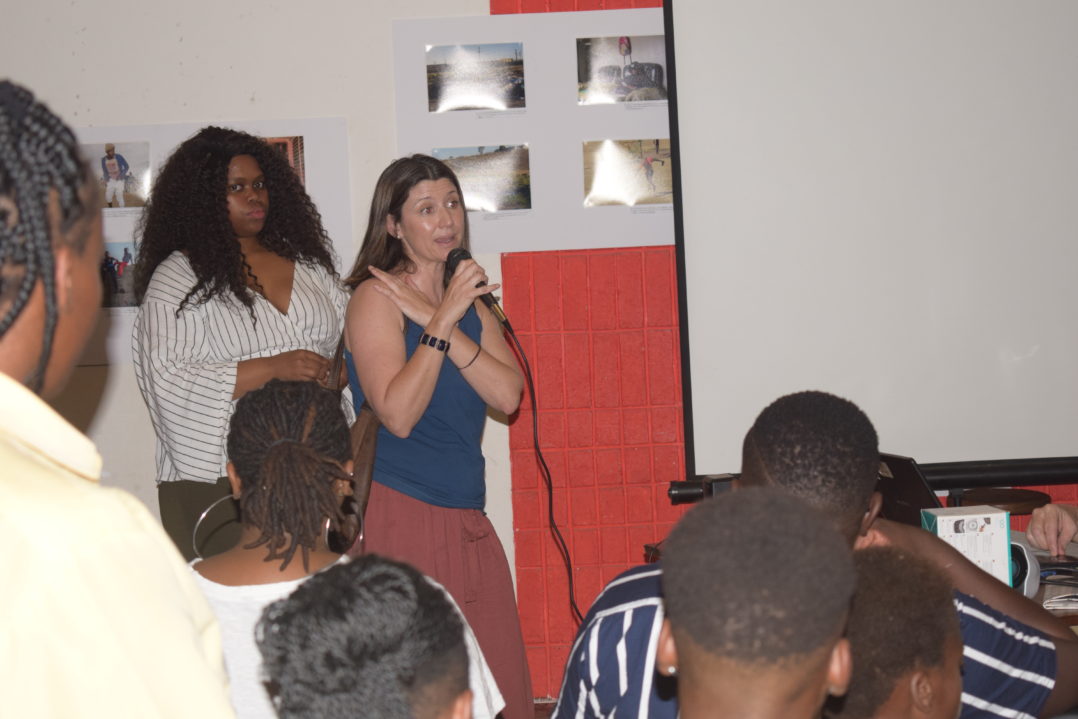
(904, 489)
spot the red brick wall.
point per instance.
(600, 330)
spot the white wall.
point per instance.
(117, 62)
(879, 201)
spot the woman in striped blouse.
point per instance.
(236, 283)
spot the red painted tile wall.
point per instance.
(599, 328)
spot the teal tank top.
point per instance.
(440, 462)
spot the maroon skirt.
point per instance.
(459, 549)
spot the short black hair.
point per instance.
(38, 154)
(371, 637)
(288, 442)
(757, 576)
(902, 616)
(819, 447)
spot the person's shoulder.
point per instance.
(171, 280)
(979, 622)
(640, 582)
(633, 589)
(366, 298)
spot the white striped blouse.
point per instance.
(185, 364)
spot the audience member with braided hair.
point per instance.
(905, 641)
(101, 618)
(290, 468)
(237, 286)
(374, 638)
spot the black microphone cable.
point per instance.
(563, 549)
(455, 257)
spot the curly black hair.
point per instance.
(188, 212)
(38, 153)
(288, 442)
(903, 614)
(372, 637)
(821, 448)
(723, 590)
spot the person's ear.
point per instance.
(392, 226)
(922, 693)
(345, 487)
(666, 653)
(875, 504)
(234, 480)
(461, 708)
(839, 668)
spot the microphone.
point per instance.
(458, 254)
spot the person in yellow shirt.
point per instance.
(100, 616)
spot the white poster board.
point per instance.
(544, 124)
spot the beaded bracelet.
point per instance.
(440, 345)
(478, 349)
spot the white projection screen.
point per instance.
(879, 200)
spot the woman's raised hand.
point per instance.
(469, 281)
(416, 306)
(402, 291)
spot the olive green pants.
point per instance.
(183, 502)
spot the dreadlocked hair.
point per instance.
(38, 153)
(188, 212)
(288, 442)
(372, 636)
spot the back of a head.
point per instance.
(39, 155)
(288, 442)
(819, 447)
(369, 638)
(756, 577)
(902, 619)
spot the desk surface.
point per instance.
(1047, 591)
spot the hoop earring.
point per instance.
(338, 541)
(206, 511)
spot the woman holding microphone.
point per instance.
(429, 357)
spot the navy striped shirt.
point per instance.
(1009, 668)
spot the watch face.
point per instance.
(971, 525)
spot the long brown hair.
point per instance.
(381, 249)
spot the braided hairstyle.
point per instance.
(188, 212)
(288, 442)
(372, 636)
(38, 154)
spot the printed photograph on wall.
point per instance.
(621, 69)
(494, 178)
(628, 172)
(123, 169)
(475, 77)
(117, 275)
(292, 149)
